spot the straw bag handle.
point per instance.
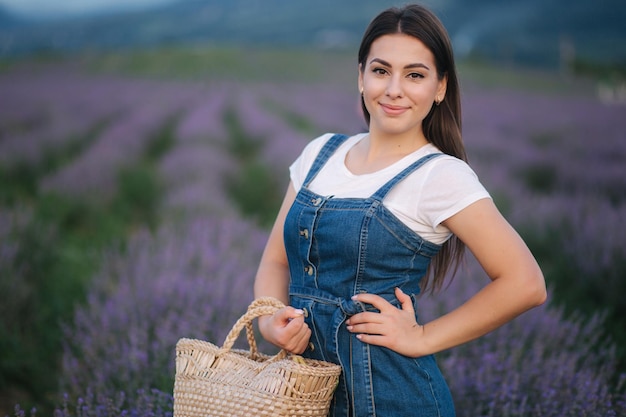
(259, 307)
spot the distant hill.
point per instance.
(7, 20)
(533, 32)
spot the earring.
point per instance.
(438, 101)
(361, 91)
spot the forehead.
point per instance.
(400, 49)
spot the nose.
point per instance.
(394, 87)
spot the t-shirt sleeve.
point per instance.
(299, 169)
(450, 187)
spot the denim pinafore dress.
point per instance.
(338, 247)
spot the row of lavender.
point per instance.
(555, 164)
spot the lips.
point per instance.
(393, 110)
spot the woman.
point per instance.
(370, 221)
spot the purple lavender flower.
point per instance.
(190, 280)
(553, 164)
(540, 362)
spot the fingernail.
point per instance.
(354, 297)
(349, 328)
(299, 312)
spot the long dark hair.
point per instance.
(442, 125)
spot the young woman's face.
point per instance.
(399, 84)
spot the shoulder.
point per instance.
(449, 186)
(451, 179)
(446, 166)
(450, 166)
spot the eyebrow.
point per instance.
(409, 66)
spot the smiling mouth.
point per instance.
(393, 110)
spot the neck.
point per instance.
(384, 144)
(373, 153)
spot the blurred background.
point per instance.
(144, 147)
(547, 34)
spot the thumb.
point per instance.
(285, 315)
(405, 300)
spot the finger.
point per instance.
(405, 300)
(292, 335)
(302, 342)
(367, 317)
(371, 339)
(299, 335)
(296, 326)
(376, 300)
(367, 328)
(288, 314)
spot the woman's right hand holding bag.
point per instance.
(286, 329)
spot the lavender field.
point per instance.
(133, 212)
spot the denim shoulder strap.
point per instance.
(327, 150)
(382, 191)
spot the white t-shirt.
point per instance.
(433, 193)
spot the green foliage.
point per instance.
(56, 256)
(139, 186)
(19, 182)
(609, 72)
(238, 64)
(539, 177)
(547, 139)
(58, 251)
(494, 76)
(256, 192)
(576, 296)
(139, 192)
(241, 145)
(254, 189)
(296, 120)
(162, 141)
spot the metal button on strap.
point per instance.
(304, 233)
(305, 312)
(308, 269)
(317, 201)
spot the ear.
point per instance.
(360, 79)
(442, 87)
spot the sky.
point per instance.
(59, 8)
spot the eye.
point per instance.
(415, 76)
(379, 71)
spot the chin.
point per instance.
(390, 129)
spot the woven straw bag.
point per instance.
(219, 382)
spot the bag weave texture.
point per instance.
(217, 382)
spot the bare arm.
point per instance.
(272, 277)
(286, 328)
(517, 285)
